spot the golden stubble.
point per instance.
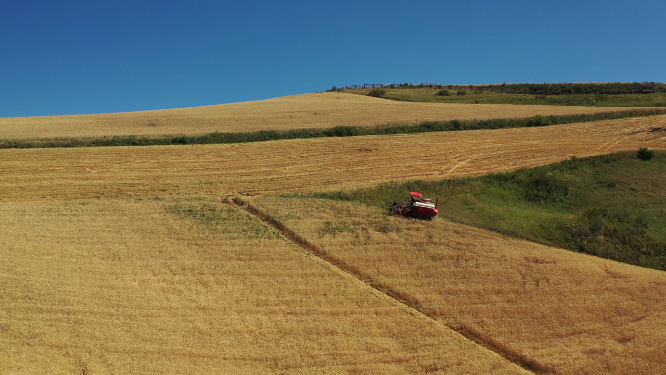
(96, 279)
(195, 286)
(321, 110)
(571, 312)
(308, 164)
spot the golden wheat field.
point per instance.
(572, 313)
(321, 110)
(194, 286)
(127, 259)
(308, 164)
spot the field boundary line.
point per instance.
(429, 126)
(401, 300)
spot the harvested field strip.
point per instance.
(195, 286)
(403, 298)
(320, 111)
(339, 131)
(569, 312)
(307, 165)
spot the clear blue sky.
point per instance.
(75, 57)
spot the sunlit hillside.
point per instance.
(195, 286)
(321, 110)
(308, 164)
(135, 259)
(571, 313)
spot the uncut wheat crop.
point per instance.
(322, 110)
(195, 286)
(560, 311)
(126, 259)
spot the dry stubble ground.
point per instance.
(322, 110)
(570, 312)
(309, 164)
(195, 286)
(70, 290)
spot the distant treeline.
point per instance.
(337, 131)
(614, 88)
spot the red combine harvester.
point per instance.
(417, 207)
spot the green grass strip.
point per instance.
(338, 131)
(611, 206)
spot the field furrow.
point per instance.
(554, 309)
(157, 287)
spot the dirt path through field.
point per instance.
(308, 165)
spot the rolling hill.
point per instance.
(128, 259)
(321, 110)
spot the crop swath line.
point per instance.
(608, 145)
(403, 299)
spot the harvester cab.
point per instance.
(417, 207)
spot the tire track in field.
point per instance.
(456, 166)
(402, 300)
(610, 144)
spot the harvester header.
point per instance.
(416, 207)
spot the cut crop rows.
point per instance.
(307, 165)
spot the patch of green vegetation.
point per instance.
(611, 206)
(221, 219)
(646, 94)
(377, 93)
(337, 131)
(645, 154)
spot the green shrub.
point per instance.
(182, 140)
(457, 125)
(537, 121)
(377, 93)
(461, 92)
(443, 93)
(645, 154)
(342, 131)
